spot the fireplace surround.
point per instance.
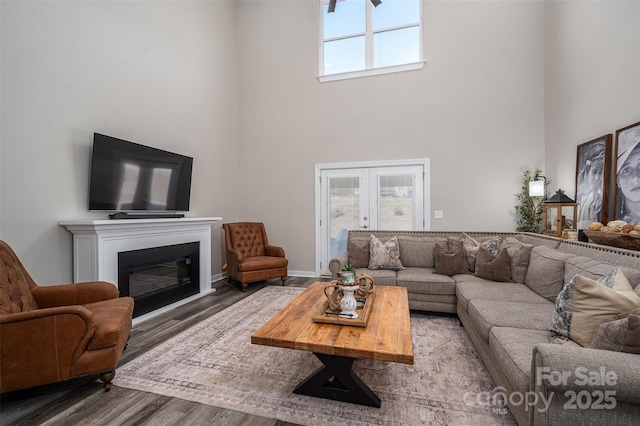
(97, 245)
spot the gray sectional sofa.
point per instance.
(508, 322)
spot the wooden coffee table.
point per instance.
(386, 337)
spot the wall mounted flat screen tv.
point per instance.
(127, 176)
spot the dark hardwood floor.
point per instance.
(82, 401)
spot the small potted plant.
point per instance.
(348, 275)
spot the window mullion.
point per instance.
(368, 39)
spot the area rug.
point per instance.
(215, 363)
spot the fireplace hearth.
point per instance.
(159, 276)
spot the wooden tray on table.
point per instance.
(325, 315)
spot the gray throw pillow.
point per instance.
(520, 253)
(494, 268)
(450, 262)
(384, 256)
(358, 249)
(620, 335)
(471, 247)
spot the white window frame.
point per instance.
(369, 35)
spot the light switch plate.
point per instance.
(438, 214)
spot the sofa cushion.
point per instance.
(450, 262)
(620, 335)
(487, 314)
(513, 350)
(478, 288)
(584, 304)
(425, 281)
(545, 274)
(384, 255)
(419, 252)
(358, 249)
(519, 253)
(380, 276)
(113, 318)
(258, 263)
(594, 269)
(494, 268)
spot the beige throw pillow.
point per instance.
(595, 304)
(384, 256)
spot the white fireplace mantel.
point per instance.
(96, 243)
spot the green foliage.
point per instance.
(348, 268)
(337, 212)
(529, 211)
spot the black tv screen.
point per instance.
(127, 176)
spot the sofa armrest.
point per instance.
(589, 382)
(336, 263)
(40, 346)
(74, 294)
(273, 251)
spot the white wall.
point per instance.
(476, 110)
(592, 83)
(156, 73)
(234, 84)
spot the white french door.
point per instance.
(368, 196)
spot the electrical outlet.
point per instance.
(438, 214)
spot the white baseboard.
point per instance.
(304, 274)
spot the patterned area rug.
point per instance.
(215, 363)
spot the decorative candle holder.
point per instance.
(348, 302)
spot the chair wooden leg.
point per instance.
(244, 286)
(283, 280)
(106, 379)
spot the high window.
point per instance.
(359, 39)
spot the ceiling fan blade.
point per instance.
(332, 5)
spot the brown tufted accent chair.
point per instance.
(53, 333)
(250, 258)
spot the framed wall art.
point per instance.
(593, 166)
(627, 174)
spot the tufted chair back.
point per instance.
(248, 238)
(15, 283)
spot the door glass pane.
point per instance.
(344, 55)
(344, 211)
(396, 47)
(396, 202)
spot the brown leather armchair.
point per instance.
(250, 258)
(50, 334)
